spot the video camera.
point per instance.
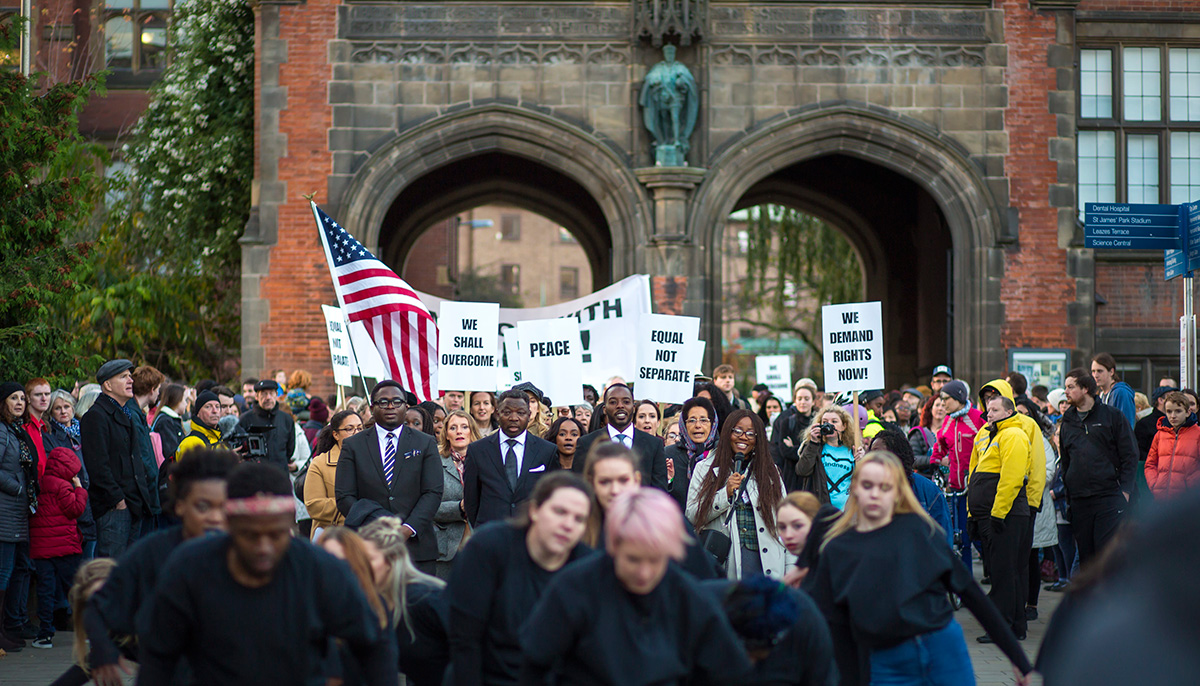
(250, 443)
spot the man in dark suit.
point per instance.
(618, 415)
(502, 469)
(396, 469)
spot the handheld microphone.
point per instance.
(738, 461)
(226, 425)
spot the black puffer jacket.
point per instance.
(1098, 456)
(14, 501)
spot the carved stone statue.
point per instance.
(670, 102)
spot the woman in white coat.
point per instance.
(1045, 526)
(740, 473)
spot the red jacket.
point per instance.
(1173, 464)
(955, 440)
(53, 531)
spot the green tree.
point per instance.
(48, 189)
(795, 264)
(165, 285)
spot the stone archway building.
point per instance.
(940, 138)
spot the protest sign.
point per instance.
(853, 346)
(776, 372)
(605, 318)
(345, 367)
(551, 358)
(666, 357)
(468, 346)
(510, 370)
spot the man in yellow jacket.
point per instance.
(206, 412)
(998, 507)
(1036, 476)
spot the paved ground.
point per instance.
(40, 667)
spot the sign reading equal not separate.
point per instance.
(345, 367)
(853, 346)
(551, 358)
(467, 345)
(667, 357)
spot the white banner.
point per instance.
(776, 372)
(666, 357)
(468, 347)
(551, 358)
(853, 346)
(606, 319)
(510, 374)
(345, 367)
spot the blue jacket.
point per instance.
(934, 502)
(1121, 397)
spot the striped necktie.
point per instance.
(389, 458)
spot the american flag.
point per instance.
(398, 322)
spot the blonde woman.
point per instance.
(831, 445)
(322, 470)
(883, 581)
(412, 599)
(450, 522)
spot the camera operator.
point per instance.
(281, 440)
(206, 412)
(827, 456)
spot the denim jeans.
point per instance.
(937, 658)
(55, 575)
(8, 558)
(16, 603)
(115, 531)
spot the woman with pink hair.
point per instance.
(630, 616)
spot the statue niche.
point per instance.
(670, 102)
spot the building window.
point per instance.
(510, 227)
(510, 277)
(135, 35)
(1139, 124)
(568, 282)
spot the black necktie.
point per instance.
(510, 463)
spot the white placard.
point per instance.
(776, 372)
(605, 318)
(468, 345)
(510, 374)
(551, 358)
(853, 346)
(345, 366)
(666, 358)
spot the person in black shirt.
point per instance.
(281, 439)
(117, 610)
(629, 617)
(257, 606)
(501, 573)
(785, 636)
(882, 583)
(611, 470)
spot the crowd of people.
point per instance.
(267, 534)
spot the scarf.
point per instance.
(28, 465)
(961, 413)
(72, 429)
(695, 451)
(459, 462)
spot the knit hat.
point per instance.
(202, 399)
(110, 369)
(1058, 395)
(957, 390)
(867, 396)
(761, 611)
(318, 411)
(8, 388)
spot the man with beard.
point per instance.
(618, 415)
(281, 439)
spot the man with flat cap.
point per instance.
(281, 440)
(118, 493)
(392, 469)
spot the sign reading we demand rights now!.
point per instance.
(853, 346)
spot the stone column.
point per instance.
(672, 189)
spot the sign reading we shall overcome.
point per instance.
(467, 345)
(853, 346)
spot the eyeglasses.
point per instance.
(738, 433)
(385, 403)
(694, 421)
(351, 430)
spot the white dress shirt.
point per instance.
(381, 434)
(627, 433)
(519, 448)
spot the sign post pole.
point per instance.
(857, 429)
(1187, 371)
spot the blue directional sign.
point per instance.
(1127, 226)
(1174, 264)
(1189, 218)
